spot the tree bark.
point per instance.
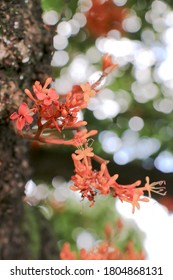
(24, 57)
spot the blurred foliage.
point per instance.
(72, 218)
(59, 5)
(31, 227)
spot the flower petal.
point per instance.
(47, 101)
(47, 82)
(79, 157)
(52, 94)
(40, 95)
(28, 119)
(14, 116)
(23, 109)
(20, 123)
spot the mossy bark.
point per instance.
(24, 57)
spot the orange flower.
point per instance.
(83, 153)
(107, 63)
(134, 195)
(66, 253)
(151, 187)
(80, 137)
(106, 249)
(87, 91)
(103, 251)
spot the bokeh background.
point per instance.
(133, 115)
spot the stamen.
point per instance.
(153, 187)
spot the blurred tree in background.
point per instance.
(24, 56)
(133, 113)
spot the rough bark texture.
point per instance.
(24, 57)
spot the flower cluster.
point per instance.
(53, 111)
(54, 114)
(90, 182)
(104, 250)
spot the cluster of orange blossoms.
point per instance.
(53, 113)
(105, 250)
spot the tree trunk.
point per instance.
(24, 58)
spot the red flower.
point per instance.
(103, 17)
(50, 96)
(46, 95)
(22, 116)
